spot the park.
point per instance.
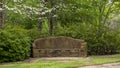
(59, 34)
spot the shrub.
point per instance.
(35, 34)
(14, 45)
(107, 43)
(99, 42)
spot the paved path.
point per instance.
(65, 59)
(111, 65)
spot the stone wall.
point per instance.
(59, 47)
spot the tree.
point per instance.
(1, 14)
(48, 10)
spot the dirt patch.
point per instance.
(62, 59)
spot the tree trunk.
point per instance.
(40, 24)
(1, 14)
(51, 25)
(50, 16)
(51, 19)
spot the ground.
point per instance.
(110, 65)
(67, 62)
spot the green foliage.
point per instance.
(14, 45)
(89, 20)
(99, 43)
(35, 34)
(107, 43)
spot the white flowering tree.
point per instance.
(31, 12)
(22, 12)
(34, 10)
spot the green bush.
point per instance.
(35, 34)
(107, 43)
(14, 45)
(100, 42)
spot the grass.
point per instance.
(69, 64)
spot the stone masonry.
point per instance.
(59, 47)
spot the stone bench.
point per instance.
(59, 47)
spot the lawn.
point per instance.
(41, 63)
